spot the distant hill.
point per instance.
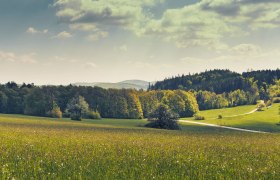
(127, 84)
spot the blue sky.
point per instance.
(66, 41)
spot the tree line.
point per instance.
(219, 81)
(91, 102)
(209, 90)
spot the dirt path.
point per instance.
(251, 112)
(224, 127)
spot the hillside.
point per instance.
(127, 84)
(218, 81)
(244, 117)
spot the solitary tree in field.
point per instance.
(77, 107)
(163, 118)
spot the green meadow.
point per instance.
(42, 148)
(265, 120)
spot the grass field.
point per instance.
(263, 121)
(42, 148)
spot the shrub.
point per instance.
(268, 103)
(66, 114)
(198, 117)
(93, 115)
(276, 100)
(76, 116)
(55, 113)
(220, 116)
(260, 106)
(163, 118)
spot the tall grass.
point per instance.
(61, 150)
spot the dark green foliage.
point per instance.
(218, 81)
(263, 76)
(3, 102)
(163, 118)
(37, 103)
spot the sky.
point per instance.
(68, 41)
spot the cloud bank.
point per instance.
(205, 23)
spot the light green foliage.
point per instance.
(55, 111)
(237, 98)
(210, 100)
(149, 101)
(181, 102)
(274, 90)
(174, 102)
(77, 107)
(191, 106)
(135, 109)
(198, 117)
(93, 115)
(252, 91)
(40, 148)
(261, 105)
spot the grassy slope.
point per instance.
(264, 121)
(120, 149)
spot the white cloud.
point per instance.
(126, 14)
(204, 23)
(32, 30)
(239, 58)
(15, 58)
(247, 49)
(83, 27)
(98, 35)
(63, 35)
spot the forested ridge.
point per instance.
(183, 95)
(223, 88)
(218, 81)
